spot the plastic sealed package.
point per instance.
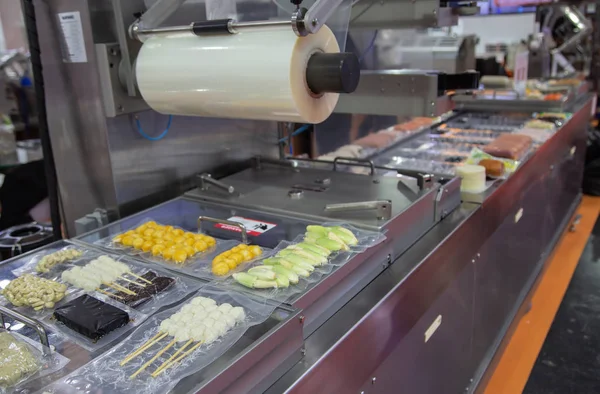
(134, 284)
(477, 155)
(93, 321)
(232, 258)
(23, 360)
(49, 261)
(171, 345)
(355, 239)
(161, 243)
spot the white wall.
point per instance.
(493, 29)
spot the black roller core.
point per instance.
(333, 73)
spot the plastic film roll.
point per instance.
(254, 74)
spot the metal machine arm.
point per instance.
(303, 21)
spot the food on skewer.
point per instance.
(91, 317)
(17, 360)
(47, 262)
(157, 285)
(230, 259)
(201, 321)
(102, 271)
(33, 291)
(172, 244)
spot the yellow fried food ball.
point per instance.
(179, 240)
(118, 238)
(151, 223)
(168, 237)
(231, 263)
(127, 240)
(158, 241)
(188, 249)
(169, 228)
(246, 254)
(138, 242)
(220, 269)
(200, 246)
(147, 246)
(158, 234)
(157, 250)
(188, 234)
(180, 255)
(178, 232)
(167, 254)
(227, 253)
(148, 232)
(210, 241)
(242, 246)
(255, 250)
(218, 259)
(189, 241)
(235, 248)
(238, 258)
(130, 232)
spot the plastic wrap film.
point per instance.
(254, 74)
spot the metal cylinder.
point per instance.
(333, 73)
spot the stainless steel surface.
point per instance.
(396, 92)
(232, 26)
(394, 14)
(207, 178)
(227, 222)
(383, 209)
(267, 187)
(34, 324)
(317, 15)
(410, 49)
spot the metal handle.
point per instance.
(227, 222)
(37, 326)
(207, 178)
(383, 208)
(352, 161)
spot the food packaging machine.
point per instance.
(426, 308)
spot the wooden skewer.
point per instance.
(108, 293)
(163, 365)
(120, 288)
(143, 367)
(139, 277)
(178, 359)
(149, 343)
(132, 281)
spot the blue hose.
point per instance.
(158, 137)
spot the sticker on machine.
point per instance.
(253, 227)
(73, 42)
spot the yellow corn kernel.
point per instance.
(147, 246)
(157, 249)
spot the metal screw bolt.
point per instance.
(301, 318)
(315, 22)
(120, 108)
(373, 380)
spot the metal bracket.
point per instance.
(222, 221)
(32, 323)
(383, 208)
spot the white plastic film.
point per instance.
(254, 74)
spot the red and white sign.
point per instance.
(253, 227)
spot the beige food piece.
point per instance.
(33, 291)
(50, 260)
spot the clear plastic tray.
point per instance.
(105, 373)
